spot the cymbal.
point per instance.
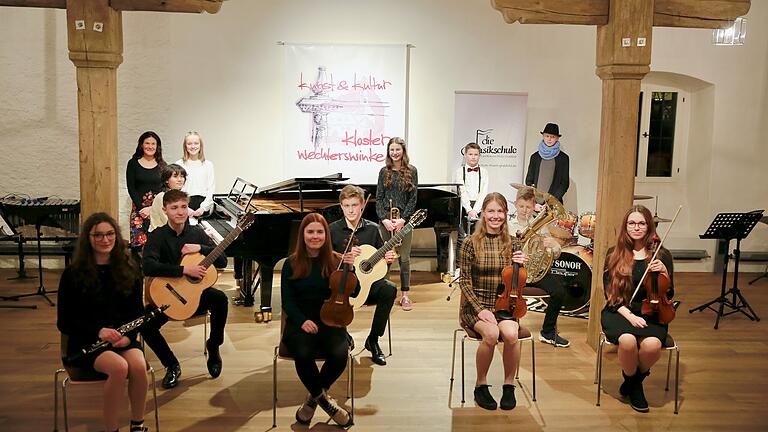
(642, 197)
(518, 186)
(657, 219)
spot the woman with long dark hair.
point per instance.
(483, 256)
(99, 292)
(304, 287)
(142, 177)
(397, 188)
(639, 337)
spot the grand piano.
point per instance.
(279, 209)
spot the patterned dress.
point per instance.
(480, 279)
(143, 184)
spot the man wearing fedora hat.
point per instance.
(548, 167)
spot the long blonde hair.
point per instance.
(200, 154)
(481, 231)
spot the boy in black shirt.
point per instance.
(383, 292)
(163, 251)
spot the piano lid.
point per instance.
(302, 184)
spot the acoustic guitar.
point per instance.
(182, 294)
(370, 265)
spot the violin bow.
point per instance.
(352, 236)
(658, 248)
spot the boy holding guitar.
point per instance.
(380, 292)
(163, 252)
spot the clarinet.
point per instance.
(123, 330)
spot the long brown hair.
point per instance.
(124, 271)
(481, 231)
(621, 259)
(406, 175)
(301, 264)
(158, 153)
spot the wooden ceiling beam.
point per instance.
(188, 6)
(57, 4)
(698, 13)
(584, 12)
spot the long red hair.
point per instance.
(620, 260)
(301, 263)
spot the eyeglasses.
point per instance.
(636, 224)
(102, 235)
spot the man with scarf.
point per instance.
(548, 167)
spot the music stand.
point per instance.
(39, 216)
(764, 220)
(729, 226)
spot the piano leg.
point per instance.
(264, 314)
(443, 243)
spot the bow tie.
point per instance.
(476, 169)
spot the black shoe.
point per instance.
(214, 360)
(636, 395)
(483, 397)
(171, 378)
(508, 400)
(377, 355)
(553, 338)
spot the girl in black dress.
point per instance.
(639, 337)
(98, 293)
(143, 181)
(305, 286)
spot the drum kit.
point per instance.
(574, 265)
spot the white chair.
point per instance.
(669, 345)
(281, 352)
(79, 376)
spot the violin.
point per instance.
(656, 303)
(337, 311)
(656, 287)
(510, 303)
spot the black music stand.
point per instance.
(7, 230)
(729, 226)
(764, 220)
(30, 212)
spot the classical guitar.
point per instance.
(182, 294)
(370, 265)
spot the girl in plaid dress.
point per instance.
(483, 257)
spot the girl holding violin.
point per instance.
(626, 319)
(304, 287)
(484, 255)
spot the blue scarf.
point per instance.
(548, 153)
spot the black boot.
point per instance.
(636, 396)
(483, 397)
(508, 400)
(626, 387)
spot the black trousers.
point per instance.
(329, 343)
(554, 287)
(211, 300)
(382, 294)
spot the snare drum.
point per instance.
(587, 225)
(562, 231)
(573, 268)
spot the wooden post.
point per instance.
(621, 69)
(95, 37)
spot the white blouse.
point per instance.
(200, 180)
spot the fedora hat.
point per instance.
(552, 129)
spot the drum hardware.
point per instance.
(394, 214)
(573, 268)
(642, 197)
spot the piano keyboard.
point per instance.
(217, 228)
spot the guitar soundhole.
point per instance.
(365, 266)
(193, 279)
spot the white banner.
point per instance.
(342, 104)
(496, 122)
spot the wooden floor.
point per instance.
(724, 373)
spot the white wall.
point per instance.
(221, 74)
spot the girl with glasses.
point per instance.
(639, 337)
